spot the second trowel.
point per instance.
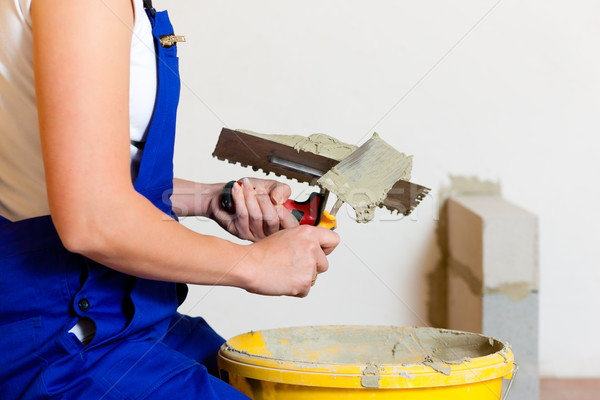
(364, 178)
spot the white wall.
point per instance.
(516, 100)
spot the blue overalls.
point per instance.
(142, 348)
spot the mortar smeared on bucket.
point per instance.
(364, 360)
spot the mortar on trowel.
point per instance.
(364, 178)
(374, 174)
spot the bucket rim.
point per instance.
(361, 375)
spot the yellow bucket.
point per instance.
(366, 362)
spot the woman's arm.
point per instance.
(81, 53)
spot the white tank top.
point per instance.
(22, 179)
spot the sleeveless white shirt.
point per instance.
(22, 179)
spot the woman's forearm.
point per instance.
(134, 237)
(193, 198)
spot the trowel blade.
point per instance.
(364, 178)
(269, 156)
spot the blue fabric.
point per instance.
(142, 349)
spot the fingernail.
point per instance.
(246, 182)
(236, 187)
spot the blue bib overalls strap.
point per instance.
(142, 348)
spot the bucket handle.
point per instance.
(512, 379)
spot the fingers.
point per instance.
(278, 191)
(328, 239)
(317, 247)
(322, 263)
(314, 280)
(318, 256)
(317, 264)
(263, 201)
(286, 219)
(254, 217)
(270, 217)
(241, 212)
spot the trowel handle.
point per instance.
(309, 212)
(227, 196)
(312, 211)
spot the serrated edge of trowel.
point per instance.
(420, 192)
(257, 153)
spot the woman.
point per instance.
(90, 253)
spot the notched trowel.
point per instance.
(374, 174)
(365, 177)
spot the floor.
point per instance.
(570, 389)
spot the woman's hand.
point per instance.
(257, 203)
(288, 262)
(258, 210)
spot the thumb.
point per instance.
(280, 192)
(328, 239)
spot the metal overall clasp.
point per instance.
(170, 40)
